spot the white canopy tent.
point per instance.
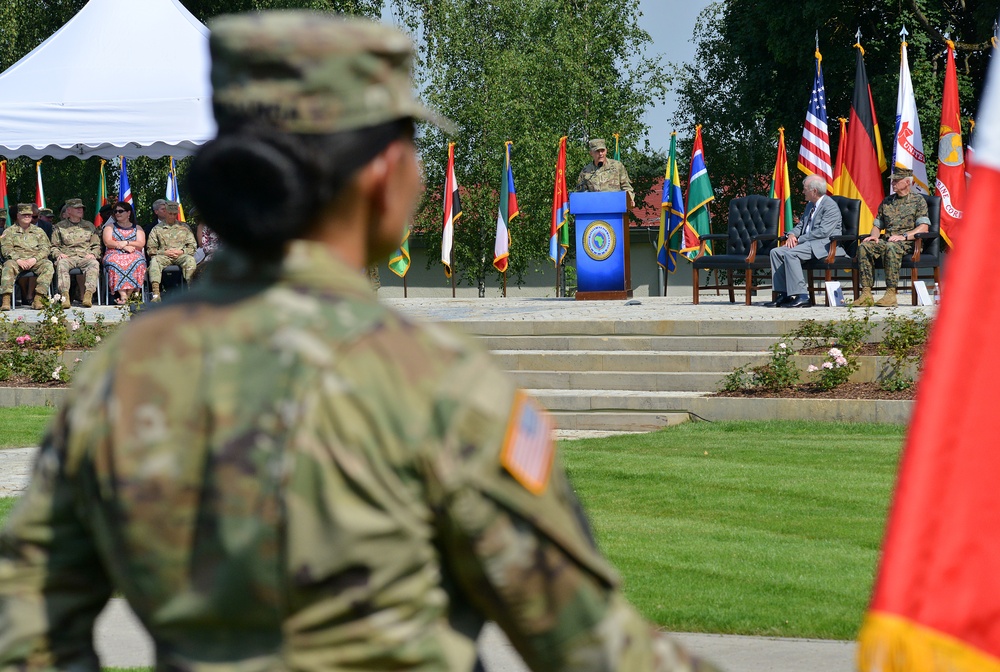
(122, 77)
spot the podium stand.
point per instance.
(603, 269)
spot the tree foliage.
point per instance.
(754, 67)
(528, 71)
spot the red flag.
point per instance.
(3, 193)
(559, 231)
(950, 184)
(864, 159)
(838, 170)
(452, 211)
(937, 593)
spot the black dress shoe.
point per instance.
(776, 301)
(797, 301)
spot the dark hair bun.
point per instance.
(253, 192)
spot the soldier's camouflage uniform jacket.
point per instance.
(328, 486)
(611, 176)
(165, 237)
(75, 240)
(31, 243)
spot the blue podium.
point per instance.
(602, 245)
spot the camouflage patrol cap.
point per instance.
(310, 72)
(173, 206)
(25, 209)
(45, 212)
(74, 203)
(901, 173)
(597, 143)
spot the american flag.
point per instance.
(814, 152)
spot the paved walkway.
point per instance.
(122, 642)
(655, 308)
(528, 309)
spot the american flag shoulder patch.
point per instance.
(529, 448)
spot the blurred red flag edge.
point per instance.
(936, 601)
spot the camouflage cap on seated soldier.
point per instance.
(173, 206)
(311, 72)
(45, 212)
(25, 209)
(596, 144)
(74, 203)
(901, 173)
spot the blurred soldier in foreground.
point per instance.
(76, 244)
(287, 474)
(25, 247)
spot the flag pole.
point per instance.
(504, 274)
(452, 266)
(405, 296)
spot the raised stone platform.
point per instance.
(607, 366)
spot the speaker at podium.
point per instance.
(602, 245)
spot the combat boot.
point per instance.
(888, 300)
(88, 298)
(37, 303)
(865, 300)
(65, 300)
(154, 291)
(5, 305)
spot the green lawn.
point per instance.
(23, 426)
(769, 528)
(752, 528)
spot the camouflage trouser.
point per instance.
(43, 269)
(161, 261)
(893, 254)
(373, 276)
(90, 268)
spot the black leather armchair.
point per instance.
(928, 255)
(850, 211)
(751, 218)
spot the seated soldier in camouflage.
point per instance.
(604, 174)
(75, 244)
(170, 243)
(25, 247)
(902, 215)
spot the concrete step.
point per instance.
(631, 422)
(619, 380)
(613, 400)
(666, 327)
(561, 342)
(597, 360)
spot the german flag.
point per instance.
(864, 160)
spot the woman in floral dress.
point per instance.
(125, 259)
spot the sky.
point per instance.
(671, 24)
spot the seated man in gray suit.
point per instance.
(810, 239)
